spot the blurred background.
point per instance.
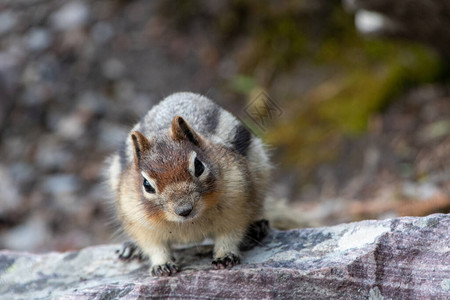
(362, 89)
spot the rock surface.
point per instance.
(404, 258)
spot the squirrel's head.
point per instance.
(176, 173)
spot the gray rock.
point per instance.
(102, 32)
(422, 191)
(71, 16)
(111, 135)
(51, 154)
(113, 68)
(404, 258)
(32, 234)
(39, 39)
(10, 199)
(61, 184)
(7, 21)
(423, 21)
(73, 126)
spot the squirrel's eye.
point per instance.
(148, 187)
(199, 167)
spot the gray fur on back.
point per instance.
(200, 112)
(205, 117)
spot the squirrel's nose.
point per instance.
(184, 210)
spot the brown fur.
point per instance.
(182, 131)
(226, 198)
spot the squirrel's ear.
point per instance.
(182, 131)
(140, 145)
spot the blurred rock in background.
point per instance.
(363, 130)
(423, 21)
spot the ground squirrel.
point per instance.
(189, 170)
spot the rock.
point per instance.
(10, 199)
(31, 234)
(38, 39)
(422, 191)
(368, 22)
(61, 184)
(404, 258)
(423, 21)
(102, 32)
(51, 155)
(113, 69)
(71, 16)
(73, 126)
(7, 21)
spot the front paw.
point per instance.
(166, 269)
(227, 261)
(130, 251)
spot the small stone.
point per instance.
(22, 172)
(369, 22)
(9, 192)
(7, 21)
(70, 16)
(421, 191)
(113, 69)
(93, 102)
(111, 136)
(142, 103)
(435, 131)
(102, 32)
(375, 294)
(51, 155)
(61, 184)
(7, 61)
(35, 94)
(445, 284)
(30, 235)
(73, 126)
(125, 90)
(39, 39)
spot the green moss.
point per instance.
(242, 84)
(281, 40)
(367, 75)
(343, 105)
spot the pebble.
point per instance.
(51, 155)
(74, 126)
(22, 172)
(125, 90)
(113, 69)
(93, 102)
(421, 191)
(102, 32)
(30, 235)
(10, 198)
(39, 39)
(111, 136)
(61, 184)
(70, 16)
(7, 21)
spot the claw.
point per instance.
(127, 251)
(166, 269)
(130, 251)
(226, 262)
